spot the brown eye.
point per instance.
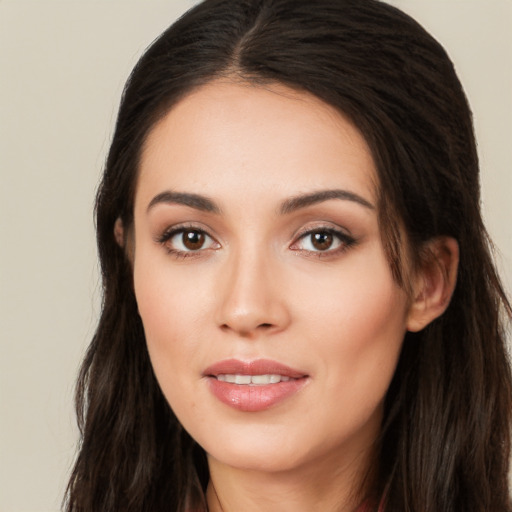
(322, 240)
(193, 240)
(187, 240)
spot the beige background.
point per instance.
(62, 67)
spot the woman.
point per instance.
(300, 308)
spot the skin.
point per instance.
(259, 288)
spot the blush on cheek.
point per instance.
(371, 325)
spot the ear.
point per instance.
(434, 282)
(119, 232)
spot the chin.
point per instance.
(259, 449)
(296, 445)
(256, 459)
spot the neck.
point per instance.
(326, 486)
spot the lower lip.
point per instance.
(251, 398)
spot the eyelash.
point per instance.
(170, 233)
(345, 241)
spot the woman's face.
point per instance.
(272, 319)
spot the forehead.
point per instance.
(252, 139)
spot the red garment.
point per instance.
(366, 508)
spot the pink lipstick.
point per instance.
(253, 386)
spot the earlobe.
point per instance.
(434, 282)
(119, 232)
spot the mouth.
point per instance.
(255, 385)
(252, 380)
(261, 369)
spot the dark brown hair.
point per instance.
(445, 441)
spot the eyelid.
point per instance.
(346, 240)
(176, 229)
(322, 226)
(183, 226)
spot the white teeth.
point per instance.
(242, 379)
(257, 380)
(264, 379)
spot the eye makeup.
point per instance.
(190, 240)
(186, 240)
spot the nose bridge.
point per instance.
(250, 299)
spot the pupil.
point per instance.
(193, 240)
(322, 241)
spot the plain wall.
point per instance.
(62, 68)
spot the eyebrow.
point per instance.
(203, 203)
(196, 201)
(303, 201)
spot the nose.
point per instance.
(252, 298)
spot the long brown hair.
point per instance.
(445, 440)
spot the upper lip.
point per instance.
(255, 367)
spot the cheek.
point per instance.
(359, 298)
(357, 325)
(175, 306)
(171, 350)
(169, 320)
(170, 298)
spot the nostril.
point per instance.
(247, 332)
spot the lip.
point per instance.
(253, 398)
